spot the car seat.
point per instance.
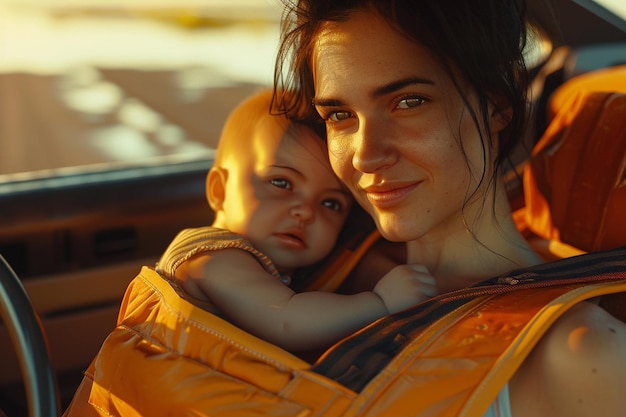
(574, 183)
(611, 79)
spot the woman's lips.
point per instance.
(388, 195)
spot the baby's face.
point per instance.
(286, 199)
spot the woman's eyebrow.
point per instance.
(321, 102)
(377, 92)
(399, 85)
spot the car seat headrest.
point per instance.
(575, 182)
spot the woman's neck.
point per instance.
(475, 252)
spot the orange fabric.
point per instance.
(331, 278)
(461, 362)
(167, 357)
(574, 189)
(612, 79)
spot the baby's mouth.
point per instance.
(294, 240)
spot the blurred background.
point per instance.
(97, 84)
(91, 85)
(110, 111)
(106, 102)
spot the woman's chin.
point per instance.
(392, 232)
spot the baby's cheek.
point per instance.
(329, 233)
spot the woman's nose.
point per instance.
(372, 149)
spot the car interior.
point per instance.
(109, 118)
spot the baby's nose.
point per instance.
(304, 212)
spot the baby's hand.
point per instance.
(404, 286)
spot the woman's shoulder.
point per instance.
(578, 368)
(588, 315)
(588, 339)
(587, 331)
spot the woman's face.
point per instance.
(399, 133)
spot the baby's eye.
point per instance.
(281, 183)
(410, 102)
(332, 204)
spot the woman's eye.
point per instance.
(281, 183)
(410, 102)
(334, 116)
(332, 204)
(338, 116)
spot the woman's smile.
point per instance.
(389, 194)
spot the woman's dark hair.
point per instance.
(482, 40)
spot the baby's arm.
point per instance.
(259, 303)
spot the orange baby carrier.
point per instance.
(448, 356)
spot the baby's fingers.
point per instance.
(428, 287)
(426, 282)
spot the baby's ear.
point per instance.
(216, 187)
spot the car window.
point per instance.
(110, 112)
(616, 6)
(105, 85)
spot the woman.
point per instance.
(422, 103)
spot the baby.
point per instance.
(278, 207)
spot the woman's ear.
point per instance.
(501, 114)
(216, 188)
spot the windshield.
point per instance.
(104, 85)
(616, 6)
(99, 86)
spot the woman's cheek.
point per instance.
(340, 161)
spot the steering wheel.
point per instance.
(28, 338)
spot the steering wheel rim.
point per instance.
(27, 336)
